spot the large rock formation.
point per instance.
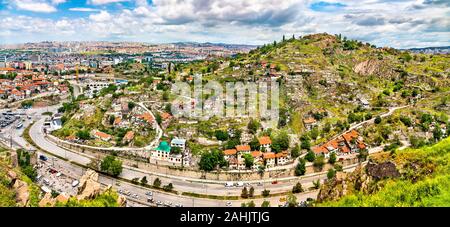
(89, 185)
(22, 192)
(363, 179)
(382, 170)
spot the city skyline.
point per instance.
(421, 24)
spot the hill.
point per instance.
(337, 81)
(422, 178)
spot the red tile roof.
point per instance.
(256, 154)
(265, 140)
(230, 152)
(319, 150)
(129, 136)
(102, 135)
(268, 155)
(147, 116)
(349, 136)
(243, 148)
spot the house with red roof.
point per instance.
(269, 159)
(265, 142)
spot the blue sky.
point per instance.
(396, 23)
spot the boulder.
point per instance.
(382, 170)
(22, 192)
(89, 185)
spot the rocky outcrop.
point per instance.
(49, 201)
(363, 179)
(367, 67)
(22, 192)
(382, 170)
(89, 185)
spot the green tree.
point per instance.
(331, 173)
(310, 156)
(253, 126)
(300, 169)
(295, 152)
(244, 193)
(254, 144)
(281, 142)
(165, 96)
(251, 192)
(338, 167)
(314, 132)
(210, 160)
(83, 135)
(316, 184)
(437, 132)
(265, 203)
(131, 105)
(332, 158)
(378, 120)
(168, 187)
(291, 200)
(111, 165)
(362, 155)
(221, 135)
(144, 180)
(248, 159)
(157, 183)
(305, 142)
(265, 193)
(319, 162)
(297, 188)
(158, 118)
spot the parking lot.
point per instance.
(50, 177)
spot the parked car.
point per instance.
(75, 183)
(229, 204)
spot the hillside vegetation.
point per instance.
(424, 181)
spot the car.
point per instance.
(229, 204)
(38, 177)
(128, 193)
(58, 174)
(158, 202)
(120, 191)
(149, 199)
(260, 183)
(43, 158)
(239, 184)
(229, 184)
(274, 182)
(178, 205)
(75, 183)
(149, 193)
(46, 181)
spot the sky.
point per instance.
(394, 23)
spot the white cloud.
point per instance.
(103, 16)
(28, 5)
(398, 24)
(103, 2)
(82, 9)
(41, 6)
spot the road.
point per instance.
(183, 184)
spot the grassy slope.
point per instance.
(431, 190)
